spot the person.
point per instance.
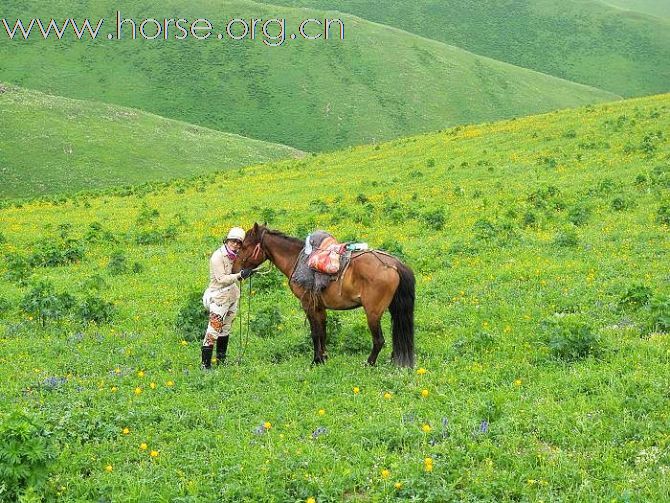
(222, 296)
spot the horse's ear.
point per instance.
(255, 228)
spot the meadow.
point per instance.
(540, 247)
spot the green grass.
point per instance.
(659, 8)
(537, 312)
(579, 40)
(379, 83)
(54, 145)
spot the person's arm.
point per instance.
(219, 273)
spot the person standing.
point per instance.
(222, 297)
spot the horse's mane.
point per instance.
(280, 234)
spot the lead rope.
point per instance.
(244, 337)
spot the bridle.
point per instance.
(258, 249)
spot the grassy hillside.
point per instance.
(540, 247)
(379, 83)
(659, 8)
(583, 41)
(54, 145)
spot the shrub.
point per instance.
(636, 296)
(663, 214)
(26, 450)
(435, 219)
(266, 322)
(147, 215)
(660, 314)
(44, 303)
(118, 263)
(156, 236)
(619, 203)
(95, 309)
(566, 239)
(579, 215)
(571, 339)
(18, 268)
(394, 248)
(484, 230)
(53, 254)
(191, 319)
(5, 306)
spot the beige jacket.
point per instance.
(223, 285)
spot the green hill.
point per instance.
(540, 247)
(55, 145)
(379, 83)
(580, 40)
(659, 8)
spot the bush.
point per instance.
(660, 314)
(192, 317)
(156, 236)
(44, 303)
(53, 254)
(26, 450)
(18, 268)
(435, 219)
(118, 263)
(579, 215)
(571, 339)
(636, 296)
(5, 306)
(566, 239)
(266, 322)
(663, 214)
(96, 310)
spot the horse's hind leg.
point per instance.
(374, 323)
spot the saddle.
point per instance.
(321, 261)
(326, 258)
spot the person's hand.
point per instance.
(246, 273)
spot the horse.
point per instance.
(373, 280)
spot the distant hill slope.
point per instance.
(52, 145)
(659, 8)
(580, 40)
(379, 83)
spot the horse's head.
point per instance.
(252, 254)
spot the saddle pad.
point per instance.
(326, 258)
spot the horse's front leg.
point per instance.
(315, 329)
(317, 323)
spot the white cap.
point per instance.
(236, 233)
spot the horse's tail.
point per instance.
(402, 315)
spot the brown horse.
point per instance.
(374, 280)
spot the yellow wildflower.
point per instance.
(322, 412)
(425, 393)
(170, 383)
(108, 468)
(138, 390)
(357, 390)
(144, 446)
(267, 425)
(140, 373)
(385, 473)
(425, 428)
(126, 431)
(421, 371)
(387, 395)
(154, 454)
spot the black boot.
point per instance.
(221, 349)
(206, 357)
